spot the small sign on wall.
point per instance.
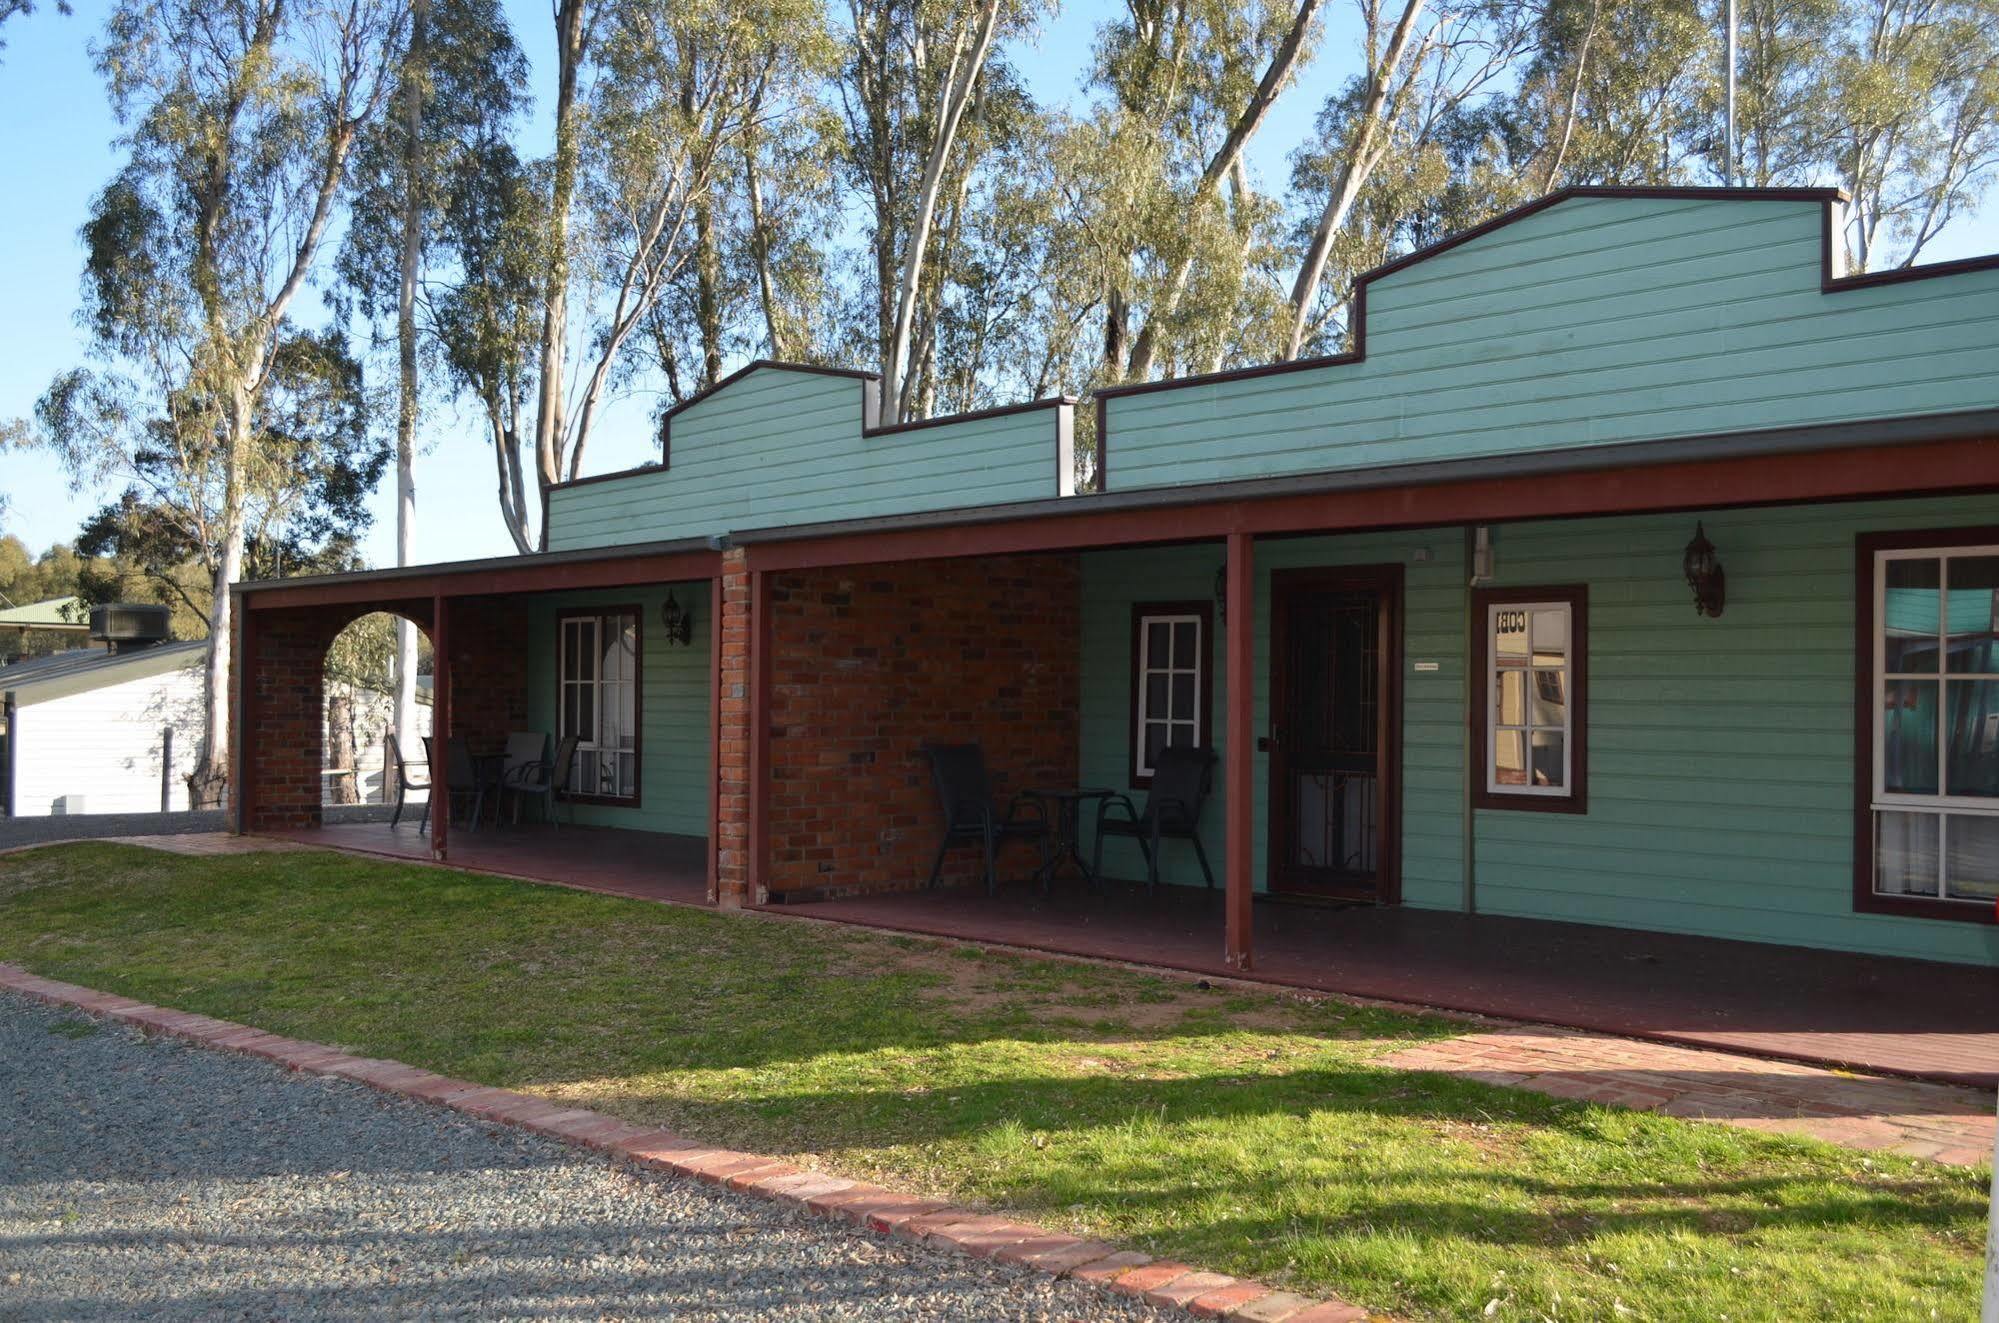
(1423, 667)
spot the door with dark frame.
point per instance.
(1335, 732)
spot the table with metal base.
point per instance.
(1065, 843)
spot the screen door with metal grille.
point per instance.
(1334, 719)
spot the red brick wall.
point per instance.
(869, 663)
(732, 763)
(286, 670)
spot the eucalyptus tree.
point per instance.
(240, 118)
(1187, 85)
(1424, 68)
(919, 78)
(1914, 134)
(456, 81)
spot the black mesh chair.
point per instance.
(544, 781)
(964, 793)
(404, 781)
(465, 777)
(1182, 779)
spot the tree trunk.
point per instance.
(1361, 160)
(550, 424)
(957, 96)
(340, 750)
(415, 75)
(1275, 75)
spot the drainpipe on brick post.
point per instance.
(440, 728)
(1239, 764)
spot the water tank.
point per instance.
(129, 625)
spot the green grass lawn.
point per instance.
(1251, 1134)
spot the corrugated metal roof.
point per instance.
(89, 662)
(56, 613)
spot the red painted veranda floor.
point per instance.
(647, 865)
(1902, 1017)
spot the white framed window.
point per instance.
(1932, 834)
(1170, 693)
(1530, 673)
(597, 684)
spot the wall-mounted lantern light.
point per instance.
(1704, 574)
(679, 624)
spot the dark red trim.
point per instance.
(1866, 900)
(243, 767)
(1387, 580)
(1477, 688)
(1848, 473)
(637, 614)
(611, 569)
(439, 807)
(941, 420)
(1239, 760)
(1204, 728)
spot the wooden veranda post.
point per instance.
(440, 728)
(1238, 796)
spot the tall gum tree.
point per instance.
(240, 118)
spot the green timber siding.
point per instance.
(1432, 721)
(1721, 751)
(674, 725)
(782, 447)
(1596, 321)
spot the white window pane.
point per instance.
(1971, 857)
(1547, 760)
(1513, 698)
(1550, 698)
(1971, 607)
(1909, 737)
(1909, 614)
(1509, 758)
(1156, 686)
(1184, 650)
(1183, 696)
(1551, 635)
(1158, 643)
(1972, 726)
(1905, 854)
(1157, 736)
(1509, 635)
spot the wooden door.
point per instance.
(1335, 727)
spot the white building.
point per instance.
(91, 731)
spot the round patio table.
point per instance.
(1065, 844)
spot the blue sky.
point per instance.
(58, 150)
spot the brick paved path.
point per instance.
(1937, 1121)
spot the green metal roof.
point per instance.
(56, 613)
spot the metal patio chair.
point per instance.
(964, 794)
(544, 780)
(1182, 779)
(466, 777)
(526, 751)
(405, 782)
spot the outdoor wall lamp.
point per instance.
(679, 624)
(1704, 574)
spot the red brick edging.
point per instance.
(932, 1221)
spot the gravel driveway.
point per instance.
(144, 1178)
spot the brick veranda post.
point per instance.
(1238, 767)
(732, 847)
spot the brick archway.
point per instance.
(279, 731)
